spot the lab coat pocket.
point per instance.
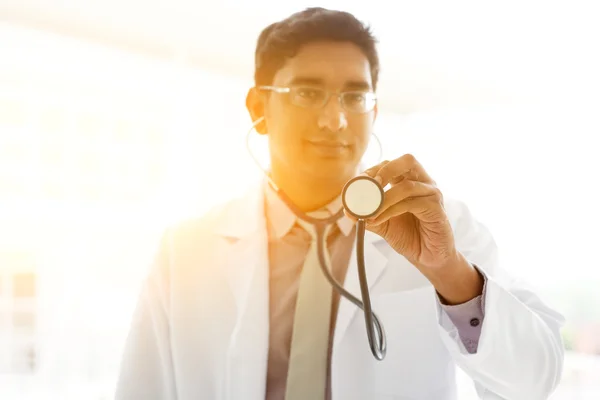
(417, 363)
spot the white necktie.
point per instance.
(307, 370)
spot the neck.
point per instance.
(308, 193)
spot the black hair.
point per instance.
(282, 40)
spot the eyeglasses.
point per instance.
(358, 102)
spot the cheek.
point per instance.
(298, 124)
(287, 133)
(292, 123)
(363, 129)
(285, 120)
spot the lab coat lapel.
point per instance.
(375, 264)
(245, 264)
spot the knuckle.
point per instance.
(408, 184)
(410, 158)
(383, 168)
(376, 168)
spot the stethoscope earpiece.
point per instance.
(362, 197)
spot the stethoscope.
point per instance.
(362, 197)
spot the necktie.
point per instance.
(307, 370)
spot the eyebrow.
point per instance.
(348, 85)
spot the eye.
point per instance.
(309, 93)
(355, 97)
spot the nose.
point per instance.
(332, 116)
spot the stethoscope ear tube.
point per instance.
(375, 332)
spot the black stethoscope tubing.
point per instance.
(375, 332)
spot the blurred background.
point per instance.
(120, 117)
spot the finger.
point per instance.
(426, 209)
(412, 175)
(405, 166)
(407, 189)
(372, 171)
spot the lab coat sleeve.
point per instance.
(520, 352)
(146, 370)
(467, 319)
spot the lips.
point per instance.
(330, 149)
(329, 143)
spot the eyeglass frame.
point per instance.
(328, 94)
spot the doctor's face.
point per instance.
(311, 129)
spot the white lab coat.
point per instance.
(201, 327)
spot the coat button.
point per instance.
(474, 322)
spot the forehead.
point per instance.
(334, 65)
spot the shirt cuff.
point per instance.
(468, 318)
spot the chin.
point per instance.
(332, 169)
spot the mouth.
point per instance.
(330, 149)
(334, 144)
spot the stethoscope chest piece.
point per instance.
(362, 196)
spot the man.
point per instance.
(226, 311)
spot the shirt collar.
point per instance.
(282, 219)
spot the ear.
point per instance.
(255, 104)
